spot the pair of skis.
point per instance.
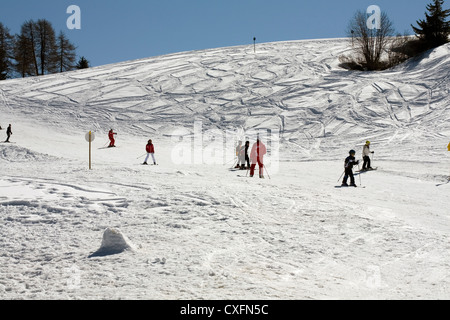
(366, 170)
(444, 183)
(358, 172)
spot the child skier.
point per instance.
(150, 148)
(366, 157)
(111, 138)
(350, 161)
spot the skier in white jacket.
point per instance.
(366, 157)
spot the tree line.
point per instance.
(379, 49)
(36, 51)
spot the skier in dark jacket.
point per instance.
(350, 161)
(247, 158)
(8, 133)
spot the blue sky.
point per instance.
(119, 30)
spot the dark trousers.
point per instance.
(366, 164)
(349, 173)
(7, 139)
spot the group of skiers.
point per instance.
(256, 157)
(259, 150)
(149, 148)
(351, 161)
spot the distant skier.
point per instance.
(247, 158)
(257, 157)
(350, 161)
(448, 148)
(366, 157)
(8, 133)
(239, 155)
(237, 150)
(150, 148)
(112, 141)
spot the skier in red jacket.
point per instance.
(257, 156)
(111, 138)
(150, 148)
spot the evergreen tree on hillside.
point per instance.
(36, 50)
(24, 51)
(65, 53)
(82, 63)
(46, 45)
(6, 52)
(435, 29)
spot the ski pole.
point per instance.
(105, 143)
(360, 182)
(236, 161)
(229, 161)
(341, 176)
(141, 156)
(267, 172)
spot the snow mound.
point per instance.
(14, 153)
(114, 242)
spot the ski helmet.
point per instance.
(352, 152)
(367, 142)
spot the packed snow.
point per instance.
(191, 228)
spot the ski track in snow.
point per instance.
(203, 232)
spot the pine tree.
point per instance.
(6, 52)
(435, 29)
(25, 50)
(46, 45)
(82, 63)
(36, 51)
(66, 53)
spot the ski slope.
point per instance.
(200, 231)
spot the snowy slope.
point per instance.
(296, 87)
(201, 231)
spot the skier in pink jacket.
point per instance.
(257, 157)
